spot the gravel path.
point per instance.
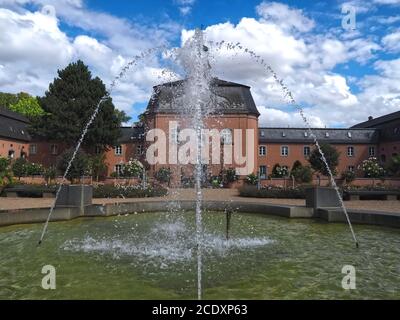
(209, 194)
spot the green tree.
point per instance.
(28, 106)
(252, 179)
(122, 116)
(297, 164)
(302, 174)
(393, 167)
(7, 99)
(19, 168)
(98, 166)
(6, 176)
(68, 105)
(331, 156)
(79, 167)
(163, 175)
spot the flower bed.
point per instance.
(272, 192)
(109, 191)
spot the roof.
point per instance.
(130, 134)
(328, 135)
(379, 121)
(13, 125)
(231, 98)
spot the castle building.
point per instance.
(233, 111)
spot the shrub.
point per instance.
(302, 174)
(393, 167)
(134, 168)
(98, 166)
(279, 172)
(272, 192)
(34, 169)
(348, 176)
(331, 156)
(110, 191)
(252, 179)
(6, 176)
(371, 168)
(163, 175)
(50, 174)
(229, 175)
(19, 167)
(79, 167)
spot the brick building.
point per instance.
(235, 109)
(14, 137)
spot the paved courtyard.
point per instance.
(209, 194)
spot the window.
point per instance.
(383, 158)
(54, 149)
(139, 149)
(349, 134)
(226, 136)
(33, 149)
(371, 151)
(262, 151)
(98, 150)
(11, 154)
(350, 151)
(118, 150)
(284, 151)
(263, 172)
(306, 151)
(350, 168)
(262, 133)
(119, 169)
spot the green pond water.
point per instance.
(153, 256)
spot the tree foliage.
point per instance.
(22, 103)
(331, 156)
(79, 167)
(28, 106)
(69, 104)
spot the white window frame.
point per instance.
(263, 175)
(371, 154)
(54, 149)
(119, 168)
(264, 153)
(33, 149)
(284, 154)
(304, 151)
(118, 150)
(350, 153)
(139, 149)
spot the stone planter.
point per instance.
(75, 196)
(321, 197)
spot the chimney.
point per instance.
(370, 118)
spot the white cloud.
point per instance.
(34, 48)
(391, 42)
(285, 17)
(185, 6)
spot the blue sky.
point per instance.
(340, 76)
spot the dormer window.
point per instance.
(349, 134)
(327, 134)
(306, 134)
(283, 134)
(262, 133)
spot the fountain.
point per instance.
(197, 102)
